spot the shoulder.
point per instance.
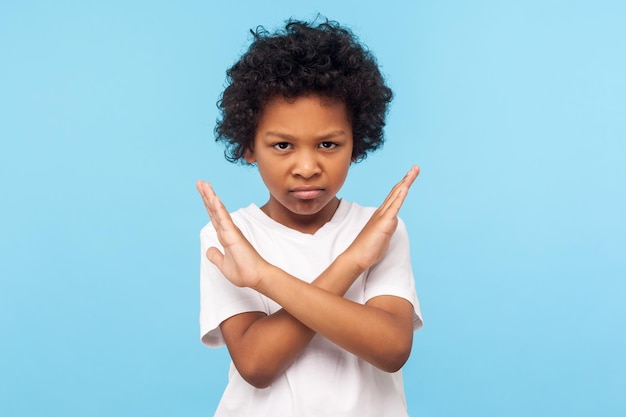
(351, 212)
(355, 209)
(244, 218)
(356, 213)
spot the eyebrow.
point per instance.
(325, 136)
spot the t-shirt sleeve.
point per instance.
(393, 275)
(219, 299)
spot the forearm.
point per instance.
(376, 335)
(270, 344)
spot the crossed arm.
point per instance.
(262, 346)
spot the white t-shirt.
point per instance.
(325, 380)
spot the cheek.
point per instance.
(341, 172)
(269, 173)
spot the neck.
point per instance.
(304, 223)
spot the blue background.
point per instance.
(514, 110)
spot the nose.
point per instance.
(306, 164)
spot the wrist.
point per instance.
(266, 273)
(349, 263)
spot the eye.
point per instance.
(328, 145)
(282, 146)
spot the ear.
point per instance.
(248, 156)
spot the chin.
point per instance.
(307, 208)
(306, 212)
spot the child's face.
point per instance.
(303, 150)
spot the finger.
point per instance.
(400, 190)
(216, 210)
(215, 256)
(405, 182)
(403, 188)
(410, 176)
(396, 202)
(219, 214)
(212, 202)
(204, 188)
(206, 191)
(220, 217)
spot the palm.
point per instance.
(240, 262)
(373, 241)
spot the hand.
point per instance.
(240, 262)
(372, 243)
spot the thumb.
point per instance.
(214, 255)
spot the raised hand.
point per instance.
(372, 243)
(240, 262)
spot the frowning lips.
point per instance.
(306, 192)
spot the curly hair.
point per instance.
(304, 58)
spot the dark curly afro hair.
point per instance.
(304, 58)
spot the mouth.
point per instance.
(306, 193)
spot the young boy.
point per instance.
(313, 295)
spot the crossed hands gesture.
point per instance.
(243, 265)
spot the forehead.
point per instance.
(308, 112)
